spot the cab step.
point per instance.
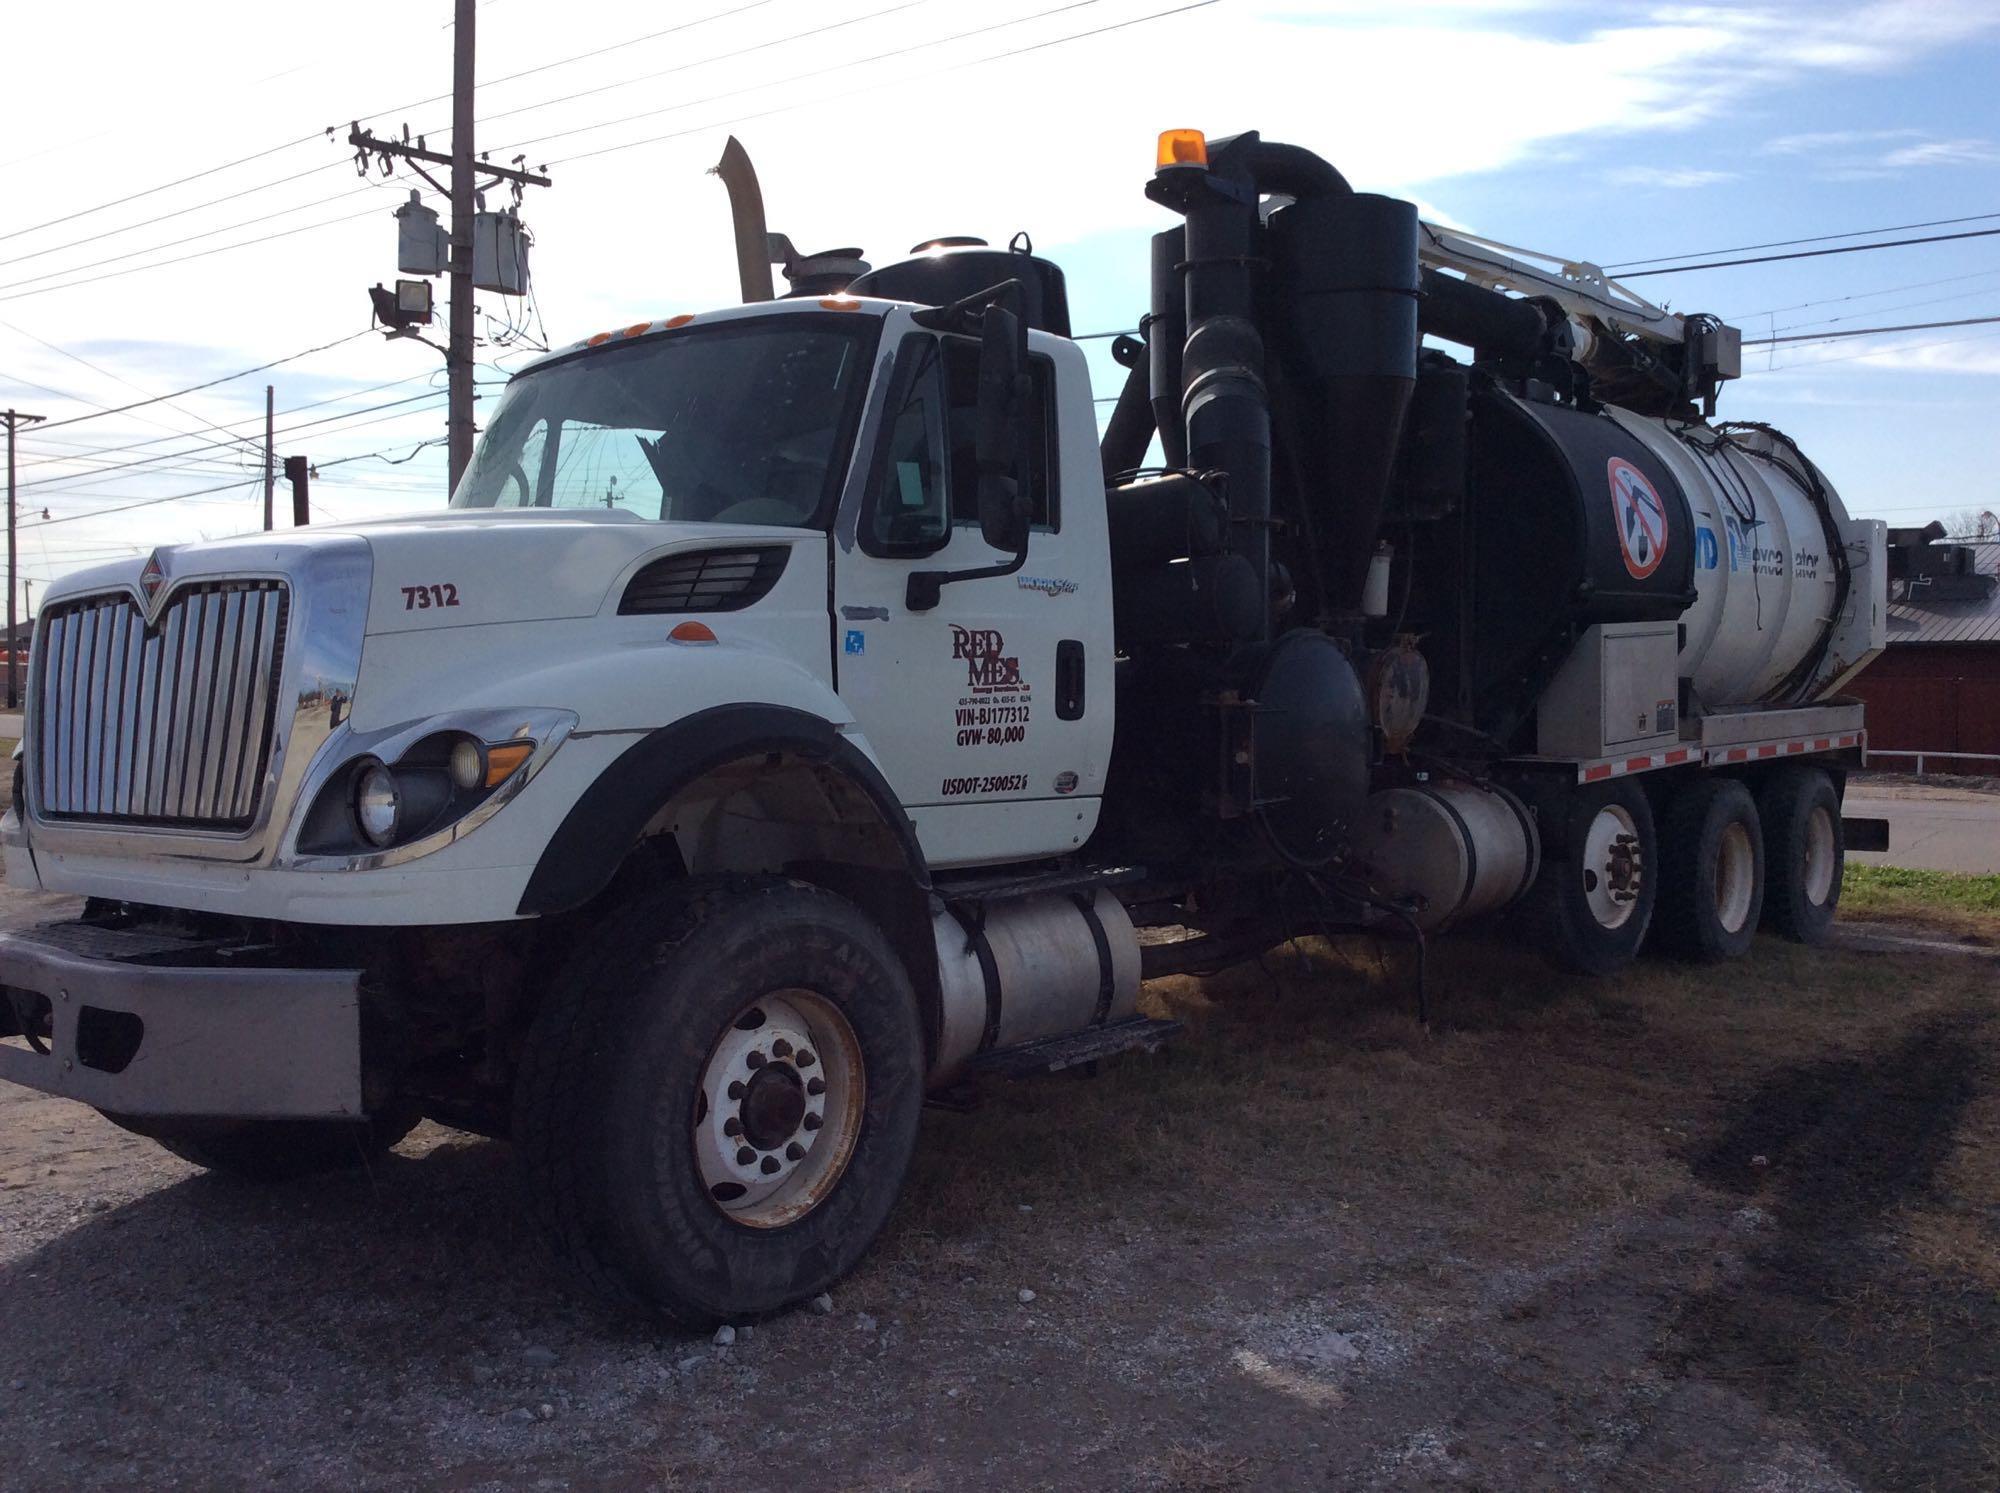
(1054, 1054)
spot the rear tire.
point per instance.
(1805, 855)
(1712, 889)
(1592, 902)
(720, 1099)
(274, 1150)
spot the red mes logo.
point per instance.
(986, 671)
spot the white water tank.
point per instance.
(1765, 575)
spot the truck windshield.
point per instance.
(745, 422)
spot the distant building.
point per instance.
(1936, 688)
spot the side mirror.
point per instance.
(999, 435)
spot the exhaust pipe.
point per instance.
(746, 211)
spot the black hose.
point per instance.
(1130, 430)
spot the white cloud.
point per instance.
(1669, 177)
(1816, 141)
(1945, 153)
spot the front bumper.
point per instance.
(135, 1024)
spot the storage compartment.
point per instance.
(1617, 692)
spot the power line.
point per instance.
(183, 259)
(311, 404)
(210, 384)
(1894, 243)
(1787, 243)
(1915, 326)
(543, 67)
(256, 482)
(869, 88)
(1738, 318)
(681, 67)
(175, 243)
(83, 362)
(902, 51)
(180, 181)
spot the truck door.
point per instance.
(990, 712)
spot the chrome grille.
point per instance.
(169, 724)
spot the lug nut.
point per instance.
(815, 1086)
(755, 1060)
(805, 1058)
(769, 1165)
(735, 1089)
(781, 1048)
(732, 1127)
(794, 1151)
(813, 1122)
(744, 1155)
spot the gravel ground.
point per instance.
(1728, 1231)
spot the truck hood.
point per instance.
(455, 568)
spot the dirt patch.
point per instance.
(1893, 1366)
(1314, 1245)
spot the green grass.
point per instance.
(1943, 899)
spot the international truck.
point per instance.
(803, 708)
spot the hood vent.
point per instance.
(717, 580)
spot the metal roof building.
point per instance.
(1936, 689)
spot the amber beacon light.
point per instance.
(1183, 148)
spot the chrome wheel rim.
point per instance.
(1735, 876)
(779, 1108)
(1820, 856)
(1611, 866)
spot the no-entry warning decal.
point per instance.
(1641, 518)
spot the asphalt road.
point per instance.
(1932, 829)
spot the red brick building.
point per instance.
(1936, 688)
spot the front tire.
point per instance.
(720, 1099)
(1805, 855)
(1592, 902)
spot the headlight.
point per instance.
(467, 765)
(378, 806)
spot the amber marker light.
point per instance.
(502, 760)
(693, 632)
(1183, 148)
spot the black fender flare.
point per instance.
(604, 824)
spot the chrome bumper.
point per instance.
(148, 1038)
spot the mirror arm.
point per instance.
(926, 587)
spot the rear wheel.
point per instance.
(720, 1099)
(1712, 893)
(1593, 900)
(1804, 852)
(274, 1150)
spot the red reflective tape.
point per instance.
(1638, 764)
(1593, 774)
(1795, 746)
(1822, 744)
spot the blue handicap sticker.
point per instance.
(857, 641)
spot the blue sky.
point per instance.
(1602, 132)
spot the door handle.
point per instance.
(1069, 680)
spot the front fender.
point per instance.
(606, 821)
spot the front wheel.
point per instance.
(720, 1099)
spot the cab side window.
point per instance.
(909, 510)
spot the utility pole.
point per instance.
(269, 474)
(458, 358)
(15, 420)
(469, 176)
